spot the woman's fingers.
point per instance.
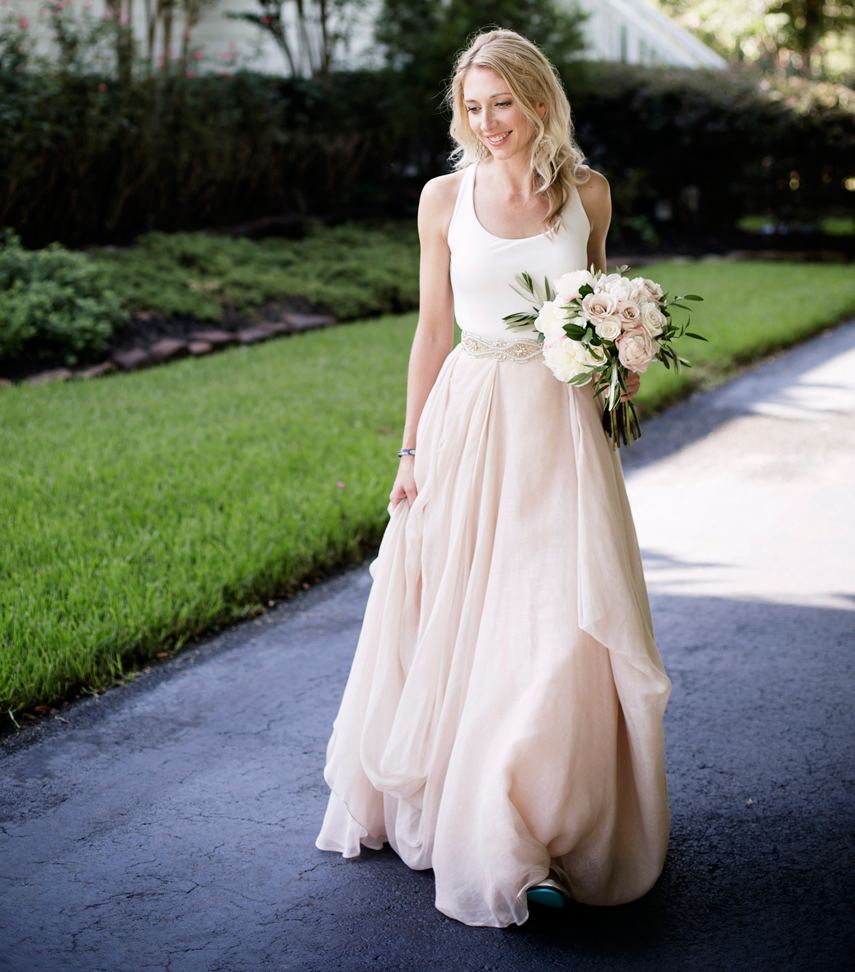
(403, 489)
(633, 383)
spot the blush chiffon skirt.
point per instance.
(503, 715)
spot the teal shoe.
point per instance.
(548, 893)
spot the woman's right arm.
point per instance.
(435, 331)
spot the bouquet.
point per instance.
(597, 327)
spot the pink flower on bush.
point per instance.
(102, 86)
(233, 45)
(123, 19)
(23, 23)
(191, 74)
(340, 484)
(197, 55)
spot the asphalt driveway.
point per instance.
(169, 824)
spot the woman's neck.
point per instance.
(512, 177)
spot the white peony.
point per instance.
(620, 288)
(568, 286)
(652, 319)
(566, 359)
(551, 320)
(606, 281)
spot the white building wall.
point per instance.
(618, 30)
(634, 32)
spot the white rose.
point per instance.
(551, 320)
(608, 328)
(619, 287)
(568, 286)
(566, 359)
(652, 319)
(636, 349)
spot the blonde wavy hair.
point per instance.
(556, 159)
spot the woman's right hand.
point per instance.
(405, 483)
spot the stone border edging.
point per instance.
(198, 343)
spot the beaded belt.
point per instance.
(519, 350)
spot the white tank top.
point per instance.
(483, 266)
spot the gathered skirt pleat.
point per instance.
(503, 714)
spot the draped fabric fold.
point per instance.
(504, 710)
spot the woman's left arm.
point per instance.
(597, 202)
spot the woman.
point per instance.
(502, 722)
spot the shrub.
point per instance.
(714, 146)
(54, 304)
(87, 159)
(352, 270)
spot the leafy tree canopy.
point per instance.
(812, 38)
(422, 37)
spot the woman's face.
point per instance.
(494, 114)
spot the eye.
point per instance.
(472, 108)
(503, 104)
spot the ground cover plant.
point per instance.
(53, 303)
(141, 509)
(353, 270)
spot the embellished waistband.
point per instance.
(523, 349)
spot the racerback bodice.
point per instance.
(483, 266)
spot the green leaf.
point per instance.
(574, 332)
(697, 337)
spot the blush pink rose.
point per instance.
(636, 349)
(642, 287)
(629, 313)
(597, 307)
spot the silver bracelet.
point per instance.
(406, 452)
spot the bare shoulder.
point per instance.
(595, 190)
(596, 198)
(438, 198)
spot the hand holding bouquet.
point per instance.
(599, 326)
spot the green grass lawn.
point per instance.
(749, 310)
(141, 509)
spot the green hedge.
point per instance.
(82, 164)
(717, 146)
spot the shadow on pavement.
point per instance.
(173, 827)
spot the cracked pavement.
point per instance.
(170, 824)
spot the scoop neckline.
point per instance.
(503, 239)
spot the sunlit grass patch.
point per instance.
(750, 310)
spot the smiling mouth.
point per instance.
(497, 139)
